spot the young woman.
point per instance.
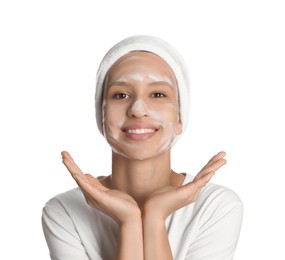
(143, 209)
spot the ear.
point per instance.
(179, 126)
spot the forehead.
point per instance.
(141, 62)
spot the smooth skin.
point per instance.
(142, 190)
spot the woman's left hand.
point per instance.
(160, 204)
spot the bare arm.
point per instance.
(156, 244)
(130, 242)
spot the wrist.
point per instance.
(153, 220)
(132, 222)
(152, 214)
(132, 229)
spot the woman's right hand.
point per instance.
(114, 203)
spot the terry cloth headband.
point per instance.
(158, 47)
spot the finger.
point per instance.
(70, 164)
(219, 155)
(94, 182)
(215, 158)
(191, 191)
(217, 165)
(67, 156)
(70, 167)
(201, 182)
(214, 166)
(211, 168)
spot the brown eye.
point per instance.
(121, 96)
(158, 95)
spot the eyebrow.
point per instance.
(125, 84)
(118, 83)
(161, 82)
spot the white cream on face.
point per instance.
(113, 132)
(108, 126)
(161, 78)
(145, 75)
(134, 76)
(169, 128)
(162, 145)
(138, 108)
(138, 72)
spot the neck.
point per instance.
(139, 178)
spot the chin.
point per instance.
(141, 150)
(140, 154)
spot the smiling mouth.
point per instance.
(139, 134)
(140, 131)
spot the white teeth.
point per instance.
(140, 131)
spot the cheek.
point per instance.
(166, 115)
(113, 117)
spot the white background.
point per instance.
(49, 54)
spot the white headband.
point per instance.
(156, 46)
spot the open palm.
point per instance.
(165, 201)
(116, 204)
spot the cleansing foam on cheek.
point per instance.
(112, 121)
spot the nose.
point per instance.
(138, 109)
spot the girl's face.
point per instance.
(140, 106)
